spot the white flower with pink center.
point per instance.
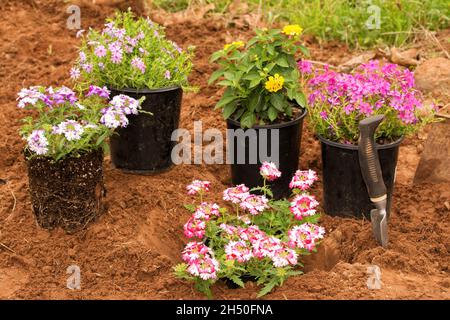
(229, 229)
(269, 171)
(266, 247)
(252, 233)
(305, 236)
(254, 204)
(238, 250)
(195, 251)
(198, 187)
(205, 210)
(303, 179)
(303, 206)
(236, 194)
(205, 268)
(195, 228)
(285, 257)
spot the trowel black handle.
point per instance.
(369, 160)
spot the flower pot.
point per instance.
(145, 146)
(68, 193)
(289, 138)
(344, 190)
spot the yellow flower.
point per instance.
(236, 44)
(274, 83)
(292, 30)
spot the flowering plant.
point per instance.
(67, 124)
(131, 53)
(339, 101)
(253, 236)
(261, 77)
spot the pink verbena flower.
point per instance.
(100, 51)
(138, 63)
(229, 229)
(303, 206)
(195, 228)
(269, 171)
(167, 75)
(254, 204)
(236, 194)
(305, 66)
(37, 142)
(266, 247)
(201, 260)
(116, 52)
(303, 179)
(238, 250)
(251, 233)
(305, 236)
(284, 257)
(205, 210)
(205, 269)
(194, 251)
(198, 187)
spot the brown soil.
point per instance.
(129, 252)
(68, 193)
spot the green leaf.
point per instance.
(304, 50)
(229, 75)
(254, 82)
(253, 100)
(251, 76)
(215, 75)
(268, 287)
(216, 55)
(270, 66)
(272, 114)
(301, 99)
(226, 83)
(278, 100)
(288, 111)
(225, 100)
(237, 280)
(190, 207)
(248, 119)
(282, 61)
(229, 109)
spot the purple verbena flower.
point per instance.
(101, 92)
(37, 142)
(71, 129)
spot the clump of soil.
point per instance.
(129, 251)
(67, 193)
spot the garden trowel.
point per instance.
(372, 174)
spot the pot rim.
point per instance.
(274, 126)
(146, 90)
(355, 147)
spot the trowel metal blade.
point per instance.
(376, 219)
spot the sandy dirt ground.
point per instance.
(130, 251)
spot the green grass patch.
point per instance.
(350, 21)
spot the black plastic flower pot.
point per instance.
(245, 170)
(68, 193)
(145, 146)
(344, 190)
